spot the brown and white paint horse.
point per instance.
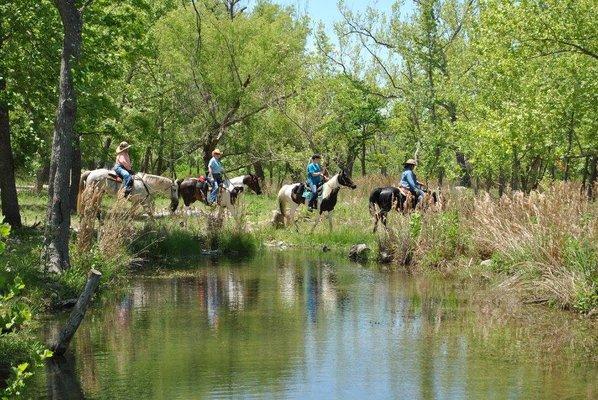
(292, 196)
(193, 189)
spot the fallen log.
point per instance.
(68, 331)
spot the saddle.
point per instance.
(405, 192)
(307, 191)
(113, 176)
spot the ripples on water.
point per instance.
(291, 326)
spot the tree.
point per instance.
(230, 66)
(56, 252)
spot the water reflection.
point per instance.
(294, 327)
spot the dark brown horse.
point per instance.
(384, 199)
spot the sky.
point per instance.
(327, 10)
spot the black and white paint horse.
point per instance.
(384, 199)
(292, 196)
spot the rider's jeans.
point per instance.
(215, 181)
(314, 190)
(125, 175)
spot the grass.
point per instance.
(543, 247)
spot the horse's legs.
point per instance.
(329, 217)
(319, 217)
(292, 220)
(376, 217)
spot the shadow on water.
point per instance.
(290, 325)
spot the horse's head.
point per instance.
(174, 195)
(345, 180)
(253, 182)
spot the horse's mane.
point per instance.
(155, 180)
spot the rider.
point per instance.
(315, 177)
(409, 180)
(123, 167)
(215, 173)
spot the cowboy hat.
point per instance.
(411, 161)
(122, 147)
(216, 151)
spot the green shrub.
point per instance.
(234, 243)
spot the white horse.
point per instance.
(292, 195)
(145, 187)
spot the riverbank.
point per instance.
(541, 248)
(528, 250)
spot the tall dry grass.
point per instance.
(547, 242)
(118, 229)
(543, 246)
(91, 201)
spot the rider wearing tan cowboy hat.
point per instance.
(123, 167)
(215, 172)
(409, 180)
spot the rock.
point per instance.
(359, 252)
(385, 257)
(138, 263)
(486, 263)
(325, 249)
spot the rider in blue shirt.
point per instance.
(215, 174)
(315, 176)
(409, 180)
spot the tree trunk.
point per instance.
(502, 181)
(593, 176)
(105, 160)
(259, 170)
(465, 179)
(515, 167)
(77, 315)
(8, 188)
(363, 171)
(75, 172)
(42, 176)
(147, 160)
(56, 240)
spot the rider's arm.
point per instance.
(413, 185)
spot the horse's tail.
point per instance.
(82, 180)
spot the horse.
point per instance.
(197, 189)
(145, 186)
(292, 195)
(383, 200)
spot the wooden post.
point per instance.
(68, 331)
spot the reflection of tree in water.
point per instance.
(233, 330)
(62, 382)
